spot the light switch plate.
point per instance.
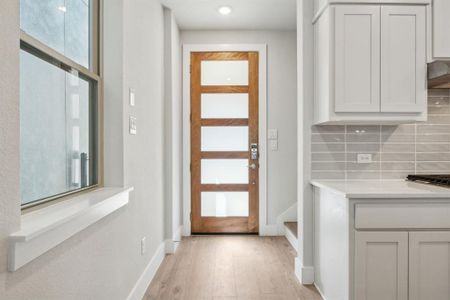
(364, 158)
(272, 134)
(132, 97)
(274, 145)
(133, 125)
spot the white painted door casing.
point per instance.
(429, 265)
(381, 265)
(403, 59)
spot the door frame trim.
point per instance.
(264, 229)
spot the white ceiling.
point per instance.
(246, 14)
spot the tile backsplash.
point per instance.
(397, 150)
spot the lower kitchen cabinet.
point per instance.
(429, 265)
(381, 265)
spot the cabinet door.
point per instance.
(357, 58)
(403, 59)
(441, 29)
(381, 265)
(429, 265)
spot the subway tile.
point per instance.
(397, 157)
(433, 156)
(398, 129)
(361, 129)
(433, 138)
(432, 148)
(394, 175)
(438, 92)
(398, 148)
(328, 129)
(430, 129)
(328, 166)
(438, 119)
(353, 166)
(397, 166)
(363, 175)
(363, 138)
(328, 156)
(364, 148)
(328, 175)
(433, 166)
(438, 110)
(328, 138)
(323, 147)
(353, 157)
(398, 138)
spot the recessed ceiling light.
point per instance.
(225, 10)
(62, 8)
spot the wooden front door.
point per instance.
(224, 142)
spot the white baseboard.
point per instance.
(305, 274)
(269, 230)
(170, 247)
(320, 292)
(178, 233)
(291, 238)
(138, 291)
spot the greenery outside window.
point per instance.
(59, 98)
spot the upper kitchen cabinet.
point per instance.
(370, 64)
(439, 32)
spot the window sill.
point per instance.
(43, 229)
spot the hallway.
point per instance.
(230, 267)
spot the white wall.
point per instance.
(173, 133)
(103, 261)
(282, 91)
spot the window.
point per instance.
(59, 84)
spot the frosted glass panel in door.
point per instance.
(225, 138)
(223, 106)
(223, 171)
(224, 72)
(224, 204)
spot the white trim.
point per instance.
(44, 229)
(262, 50)
(305, 274)
(292, 239)
(289, 215)
(320, 291)
(139, 289)
(170, 246)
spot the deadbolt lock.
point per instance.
(254, 151)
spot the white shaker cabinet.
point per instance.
(381, 265)
(370, 64)
(429, 265)
(440, 28)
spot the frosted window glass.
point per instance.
(225, 204)
(225, 138)
(222, 106)
(223, 171)
(224, 72)
(63, 25)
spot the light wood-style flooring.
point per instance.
(230, 267)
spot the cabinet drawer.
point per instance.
(402, 216)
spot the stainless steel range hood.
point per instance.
(439, 75)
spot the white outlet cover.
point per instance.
(133, 125)
(132, 97)
(364, 158)
(272, 134)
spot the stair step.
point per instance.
(292, 227)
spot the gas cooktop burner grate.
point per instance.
(431, 179)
